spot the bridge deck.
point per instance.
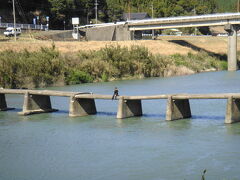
(86, 95)
(164, 96)
(40, 92)
(206, 17)
(185, 21)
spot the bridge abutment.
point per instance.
(81, 107)
(177, 109)
(233, 111)
(232, 46)
(129, 108)
(34, 104)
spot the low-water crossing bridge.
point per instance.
(83, 104)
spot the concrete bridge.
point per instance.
(231, 21)
(83, 104)
(125, 30)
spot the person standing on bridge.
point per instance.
(115, 93)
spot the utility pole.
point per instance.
(129, 10)
(14, 21)
(153, 34)
(238, 6)
(96, 11)
(194, 11)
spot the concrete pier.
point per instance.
(81, 107)
(232, 46)
(3, 103)
(34, 104)
(233, 110)
(129, 108)
(177, 109)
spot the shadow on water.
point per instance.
(208, 117)
(144, 115)
(184, 43)
(62, 112)
(12, 110)
(162, 116)
(106, 113)
(113, 114)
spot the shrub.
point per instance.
(47, 66)
(77, 77)
(104, 77)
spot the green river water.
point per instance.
(54, 146)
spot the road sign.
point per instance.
(75, 21)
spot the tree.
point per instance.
(114, 10)
(108, 10)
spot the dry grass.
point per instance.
(162, 46)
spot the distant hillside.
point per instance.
(227, 5)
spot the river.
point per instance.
(101, 147)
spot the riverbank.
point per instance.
(50, 67)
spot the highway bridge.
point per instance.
(125, 30)
(231, 22)
(83, 104)
(185, 21)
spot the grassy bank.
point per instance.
(47, 66)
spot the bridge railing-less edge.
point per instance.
(83, 104)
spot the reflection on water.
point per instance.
(56, 146)
(233, 129)
(180, 124)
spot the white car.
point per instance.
(10, 31)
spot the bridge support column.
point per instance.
(3, 103)
(233, 111)
(129, 108)
(34, 104)
(81, 107)
(232, 46)
(178, 109)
